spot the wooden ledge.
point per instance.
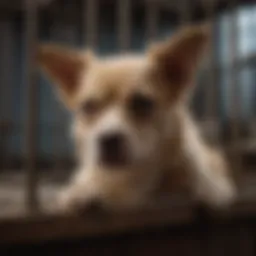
(47, 227)
(25, 228)
(50, 227)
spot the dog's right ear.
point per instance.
(64, 67)
(176, 60)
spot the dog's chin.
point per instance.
(114, 157)
(112, 162)
(116, 165)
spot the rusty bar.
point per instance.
(124, 24)
(56, 35)
(6, 80)
(210, 87)
(32, 199)
(152, 14)
(235, 100)
(210, 90)
(91, 22)
(61, 32)
(235, 107)
(184, 12)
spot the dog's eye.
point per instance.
(140, 105)
(90, 107)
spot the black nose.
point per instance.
(112, 147)
(112, 142)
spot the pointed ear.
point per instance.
(177, 59)
(64, 67)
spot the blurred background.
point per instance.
(36, 153)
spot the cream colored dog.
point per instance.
(133, 130)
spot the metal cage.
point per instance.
(31, 121)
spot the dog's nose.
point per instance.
(112, 147)
(112, 142)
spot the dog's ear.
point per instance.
(176, 59)
(64, 67)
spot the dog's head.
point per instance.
(122, 104)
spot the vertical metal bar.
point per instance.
(91, 22)
(61, 32)
(124, 24)
(64, 31)
(211, 88)
(234, 93)
(56, 35)
(211, 93)
(235, 99)
(152, 14)
(6, 89)
(184, 12)
(32, 104)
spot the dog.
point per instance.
(132, 127)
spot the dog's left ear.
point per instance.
(177, 59)
(64, 68)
